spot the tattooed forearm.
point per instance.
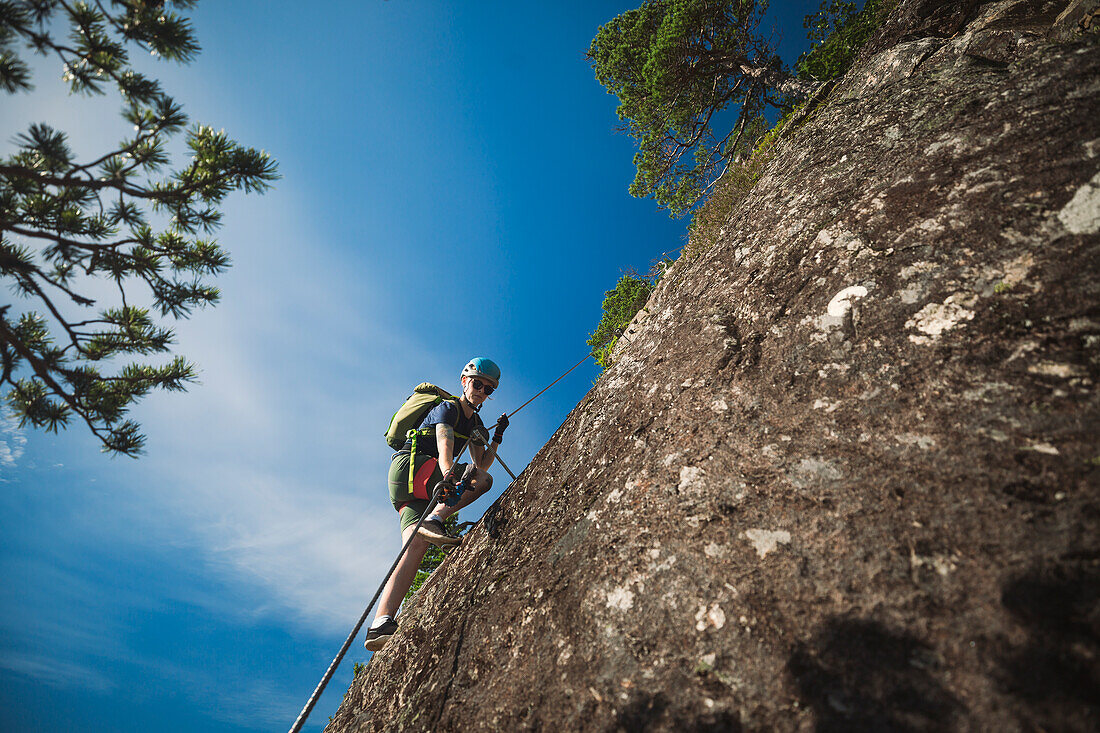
(445, 442)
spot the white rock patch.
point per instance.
(842, 301)
(690, 478)
(911, 294)
(811, 471)
(924, 442)
(714, 616)
(824, 324)
(917, 268)
(1082, 214)
(1017, 270)
(839, 368)
(765, 541)
(620, 598)
(1054, 369)
(941, 564)
(935, 318)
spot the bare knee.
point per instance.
(418, 546)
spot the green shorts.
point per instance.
(412, 505)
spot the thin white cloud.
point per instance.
(313, 553)
(232, 694)
(56, 672)
(258, 704)
(12, 443)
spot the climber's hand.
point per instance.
(480, 436)
(448, 492)
(455, 474)
(453, 494)
(502, 425)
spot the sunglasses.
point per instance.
(480, 386)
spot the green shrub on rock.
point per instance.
(619, 308)
(838, 30)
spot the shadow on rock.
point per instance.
(859, 675)
(1056, 673)
(652, 713)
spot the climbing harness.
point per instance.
(413, 435)
(492, 524)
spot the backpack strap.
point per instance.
(412, 460)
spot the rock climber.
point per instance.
(451, 423)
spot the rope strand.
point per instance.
(586, 357)
(302, 716)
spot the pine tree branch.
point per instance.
(94, 184)
(41, 370)
(728, 157)
(141, 138)
(74, 340)
(89, 246)
(77, 298)
(44, 372)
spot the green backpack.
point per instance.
(424, 397)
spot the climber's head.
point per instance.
(480, 377)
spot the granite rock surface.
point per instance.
(845, 472)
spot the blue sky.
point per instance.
(453, 186)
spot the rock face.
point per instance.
(846, 474)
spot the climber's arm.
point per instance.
(445, 442)
(483, 458)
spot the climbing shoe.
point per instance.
(377, 638)
(434, 533)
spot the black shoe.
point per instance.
(377, 638)
(434, 533)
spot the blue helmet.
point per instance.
(485, 368)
